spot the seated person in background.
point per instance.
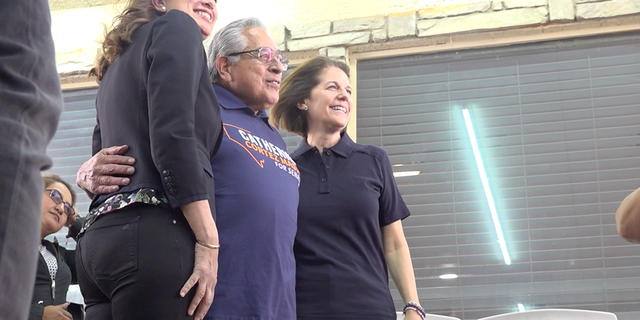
(56, 265)
(628, 217)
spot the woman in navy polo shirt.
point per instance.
(350, 211)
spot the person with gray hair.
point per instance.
(256, 180)
(228, 41)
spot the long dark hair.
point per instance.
(136, 14)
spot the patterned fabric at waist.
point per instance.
(121, 200)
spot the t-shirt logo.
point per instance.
(261, 150)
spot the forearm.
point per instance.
(198, 215)
(628, 217)
(398, 258)
(401, 270)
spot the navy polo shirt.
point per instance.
(256, 186)
(347, 194)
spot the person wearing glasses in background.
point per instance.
(256, 180)
(56, 268)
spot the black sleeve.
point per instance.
(176, 62)
(36, 311)
(96, 140)
(392, 206)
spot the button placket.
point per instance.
(324, 174)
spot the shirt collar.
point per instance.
(228, 100)
(344, 147)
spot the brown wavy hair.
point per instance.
(136, 14)
(295, 88)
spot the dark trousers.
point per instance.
(132, 263)
(30, 106)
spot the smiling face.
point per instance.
(53, 216)
(329, 103)
(255, 83)
(204, 12)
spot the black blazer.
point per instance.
(66, 275)
(158, 99)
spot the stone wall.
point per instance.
(76, 33)
(338, 38)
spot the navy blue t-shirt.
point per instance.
(347, 194)
(256, 186)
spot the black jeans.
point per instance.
(133, 262)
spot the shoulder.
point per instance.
(175, 16)
(176, 21)
(371, 150)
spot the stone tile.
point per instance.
(485, 21)
(302, 30)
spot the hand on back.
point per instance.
(102, 173)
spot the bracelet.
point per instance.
(206, 245)
(415, 307)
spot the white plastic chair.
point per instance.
(554, 314)
(430, 317)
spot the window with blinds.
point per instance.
(71, 146)
(558, 128)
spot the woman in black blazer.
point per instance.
(149, 251)
(56, 268)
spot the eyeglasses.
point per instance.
(56, 196)
(266, 56)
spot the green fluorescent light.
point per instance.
(520, 307)
(485, 185)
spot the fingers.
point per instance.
(203, 280)
(109, 169)
(99, 175)
(191, 282)
(202, 299)
(109, 161)
(115, 150)
(205, 303)
(197, 303)
(57, 312)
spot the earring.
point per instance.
(163, 8)
(304, 107)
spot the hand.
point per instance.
(412, 315)
(71, 219)
(96, 176)
(58, 312)
(205, 275)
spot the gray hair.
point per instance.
(230, 40)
